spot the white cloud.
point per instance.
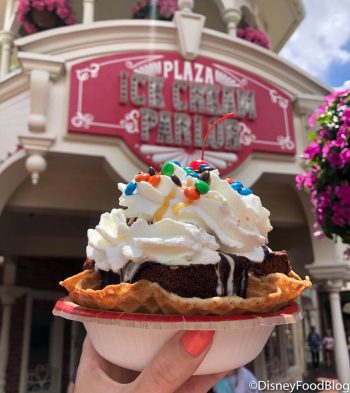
(320, 39)
(345, 85)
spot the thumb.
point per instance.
(176, 362)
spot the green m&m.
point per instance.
(168, 168)
(201, 186)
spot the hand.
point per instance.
(171, 371)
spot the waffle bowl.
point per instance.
(264, 294)
(131, 340)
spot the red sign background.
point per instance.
(95, 107)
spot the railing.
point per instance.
(230, 10)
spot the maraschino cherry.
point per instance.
(197, 163)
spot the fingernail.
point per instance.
(195, 342)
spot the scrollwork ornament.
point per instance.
(277, 99)
(247, 137)
(82, 120)
(130, 123)
(88, 72)
(285, 142)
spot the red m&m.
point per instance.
(196, 163)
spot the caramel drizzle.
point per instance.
(161, 211)
(181, 205)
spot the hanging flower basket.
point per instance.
(155, 9)
(255, 36)
(39, 15)
(328, 161)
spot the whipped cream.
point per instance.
(113, 243)
(239, 223)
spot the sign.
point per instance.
(161, 106)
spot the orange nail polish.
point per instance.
(195, 342)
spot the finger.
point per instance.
(176, 362)
(200, 383)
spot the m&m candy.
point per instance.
(201, 186)
(191, 193)
(245, 191)
(154, 180)
(168, 168)
(130, 188)
(196, 164)
(236, 185)
(142, 177)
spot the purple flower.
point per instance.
(316, 114)
(254, 35)
(346, 116)
(342, 136)
(330, 151)
(344, 157)
(343, 193)
(300, 181)
(312, 150)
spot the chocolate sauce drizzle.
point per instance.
(228, 277)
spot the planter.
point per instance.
(45, 20)
(39, 15)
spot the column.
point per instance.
(342, 361)
(6, 41)
(9, 14)
(231, 17)
(4, 339)
(7, 300)
(88, 11)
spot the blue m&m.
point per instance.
(130, 188)
(236, 185)
(245, 191)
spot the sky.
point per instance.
(321, 43)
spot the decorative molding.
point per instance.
(34, 61)
(305, 104)
(189, 33)
(78, 41)
(13, 84)
(36, 144)
(334, 271)
(40, 378)
(335, 285)
(39, 91)
(160, 154)
(41, 68)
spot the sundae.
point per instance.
(185, 241)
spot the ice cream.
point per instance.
(184, 234)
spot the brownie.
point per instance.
(89, 264)
(202, 280)
(187, 281)
(274, 262)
